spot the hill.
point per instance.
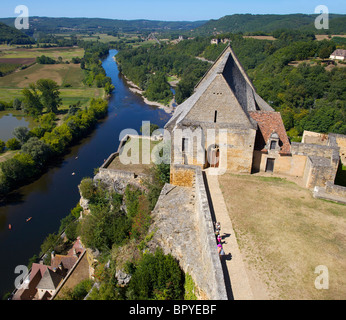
(267, 23)
(85, 25)
(11, 35)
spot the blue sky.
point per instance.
(191, 10)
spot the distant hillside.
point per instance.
(270, 22)
(11, 35)
(85, 25)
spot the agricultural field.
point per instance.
(66, 53)
(68, 76)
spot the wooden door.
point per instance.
(270, 165)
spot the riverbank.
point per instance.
(135, 89)
(50, 198)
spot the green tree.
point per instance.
(2, 146)
(19, 168)
(87, 188)
(157, 276)
(47, 121)
(22, 134)
(13, 144)
(31, 101)
(38, 150)
(50, 94)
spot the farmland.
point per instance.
(67, 75)
(67, 53)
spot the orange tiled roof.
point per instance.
(269, 122)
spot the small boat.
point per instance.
(76, 158)
(73, 173)
(9, 226)
(28, 219)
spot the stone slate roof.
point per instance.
(268, 123)
(339, 52)
(50, 280)
(230, 68)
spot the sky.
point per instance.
(173, 10)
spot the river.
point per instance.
(51, 197)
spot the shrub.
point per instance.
(157, 276)
(87, 188)
(2, 146)
(22, 134)
(13, 144)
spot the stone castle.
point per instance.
(226, 124)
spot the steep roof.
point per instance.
(238, 82)
(268, 123)
(50, 280)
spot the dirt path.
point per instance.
(233, 261)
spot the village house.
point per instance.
(338, 54)
(43, 280)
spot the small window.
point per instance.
(272, 145)
(215, 116)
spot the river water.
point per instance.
(51, 197)
(9, 121)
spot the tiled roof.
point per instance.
(67, 261)
(268, 123)
(76, 248)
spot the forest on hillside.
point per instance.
(293, 74)
(267, 23)
(10, 35)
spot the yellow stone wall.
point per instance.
(182, 176)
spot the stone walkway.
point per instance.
(237, 281)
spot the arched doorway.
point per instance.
(213, 156)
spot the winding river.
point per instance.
(51, 197)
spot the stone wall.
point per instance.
(318, 171)
(311, 137)
(117, 180)
(333, 189)
(293, 165)
(205, 268)
(182, 175)
(216, 287)
(310, 149)
(235, 145)
(340, 141)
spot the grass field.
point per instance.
(66, 53)
(68, 76)
(68, 95)
(62, 74)
(284, 234)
